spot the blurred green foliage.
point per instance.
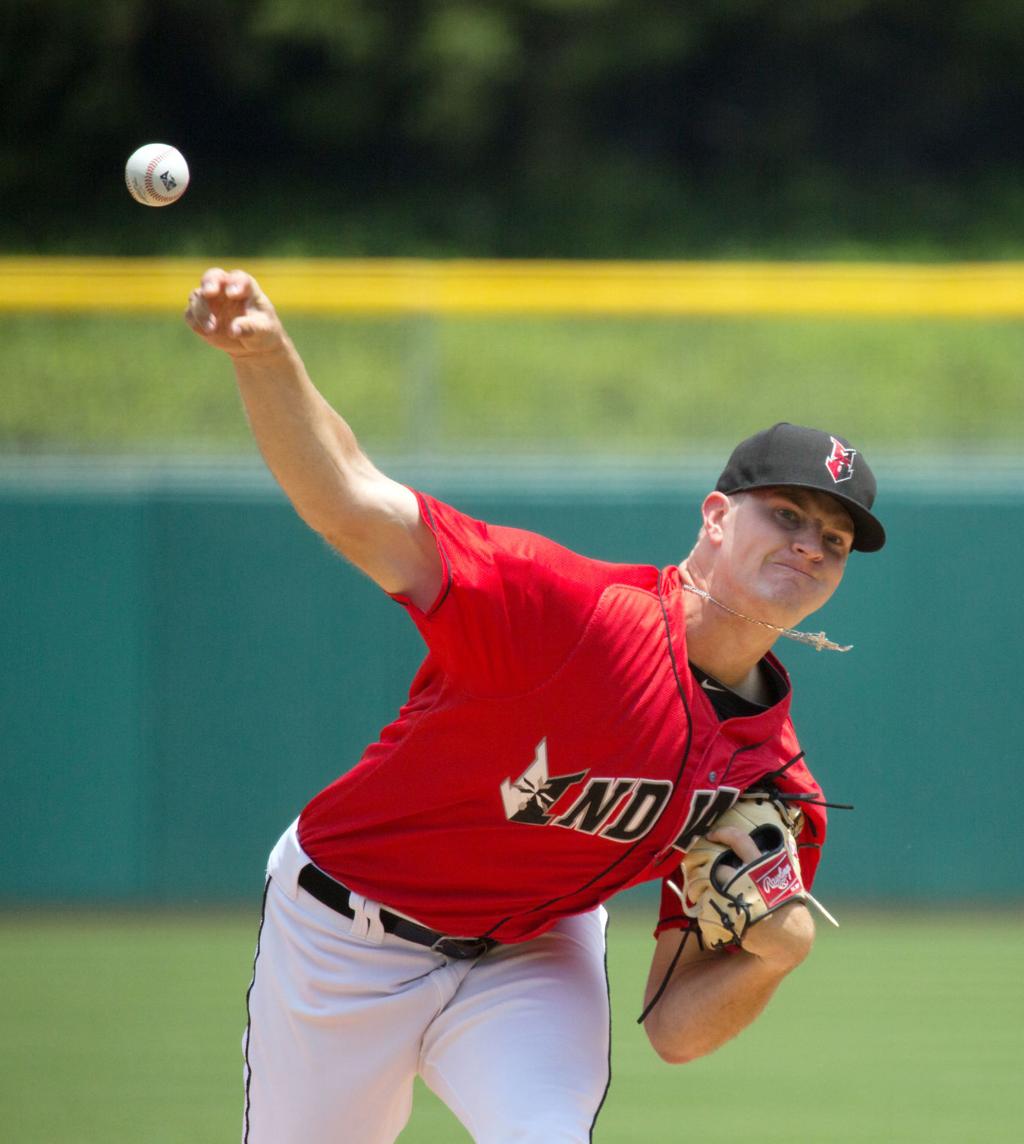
(578, 128)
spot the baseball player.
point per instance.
(576, 727)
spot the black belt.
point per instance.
(333, 894)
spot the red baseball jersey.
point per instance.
(554, 748)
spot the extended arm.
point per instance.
(711, 995)
(370, 519)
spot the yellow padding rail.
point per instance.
(399, 286)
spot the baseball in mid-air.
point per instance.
(156, 174)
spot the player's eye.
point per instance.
(788, 515)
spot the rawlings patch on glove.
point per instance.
(726, 895)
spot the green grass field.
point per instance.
(124, 1029)
(613, 386)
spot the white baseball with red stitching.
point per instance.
(156, 174)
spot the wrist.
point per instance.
(783, 939)
(276, 346)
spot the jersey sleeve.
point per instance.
(797, 780)
(670, 910)
(512, 604)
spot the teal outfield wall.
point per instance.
(184, 663)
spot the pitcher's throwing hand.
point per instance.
(230, 312)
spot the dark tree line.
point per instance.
(517, 127)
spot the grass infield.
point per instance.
(902, 1029)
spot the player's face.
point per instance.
(787, 548)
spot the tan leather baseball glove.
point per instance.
(727, 896)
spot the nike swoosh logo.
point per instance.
(709, 686)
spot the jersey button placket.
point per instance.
(712, 752)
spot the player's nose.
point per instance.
(809, 543)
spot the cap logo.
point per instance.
(840, 462)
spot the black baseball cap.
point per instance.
(808, 459)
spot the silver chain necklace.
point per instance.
(818, 640)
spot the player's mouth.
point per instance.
(800, 572)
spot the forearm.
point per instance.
(372, 520)
(713, 996)
(309, 448)
(709, 1003)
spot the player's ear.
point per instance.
(714, 510)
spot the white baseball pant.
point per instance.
(343, 1016)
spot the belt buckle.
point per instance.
(461, 948)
